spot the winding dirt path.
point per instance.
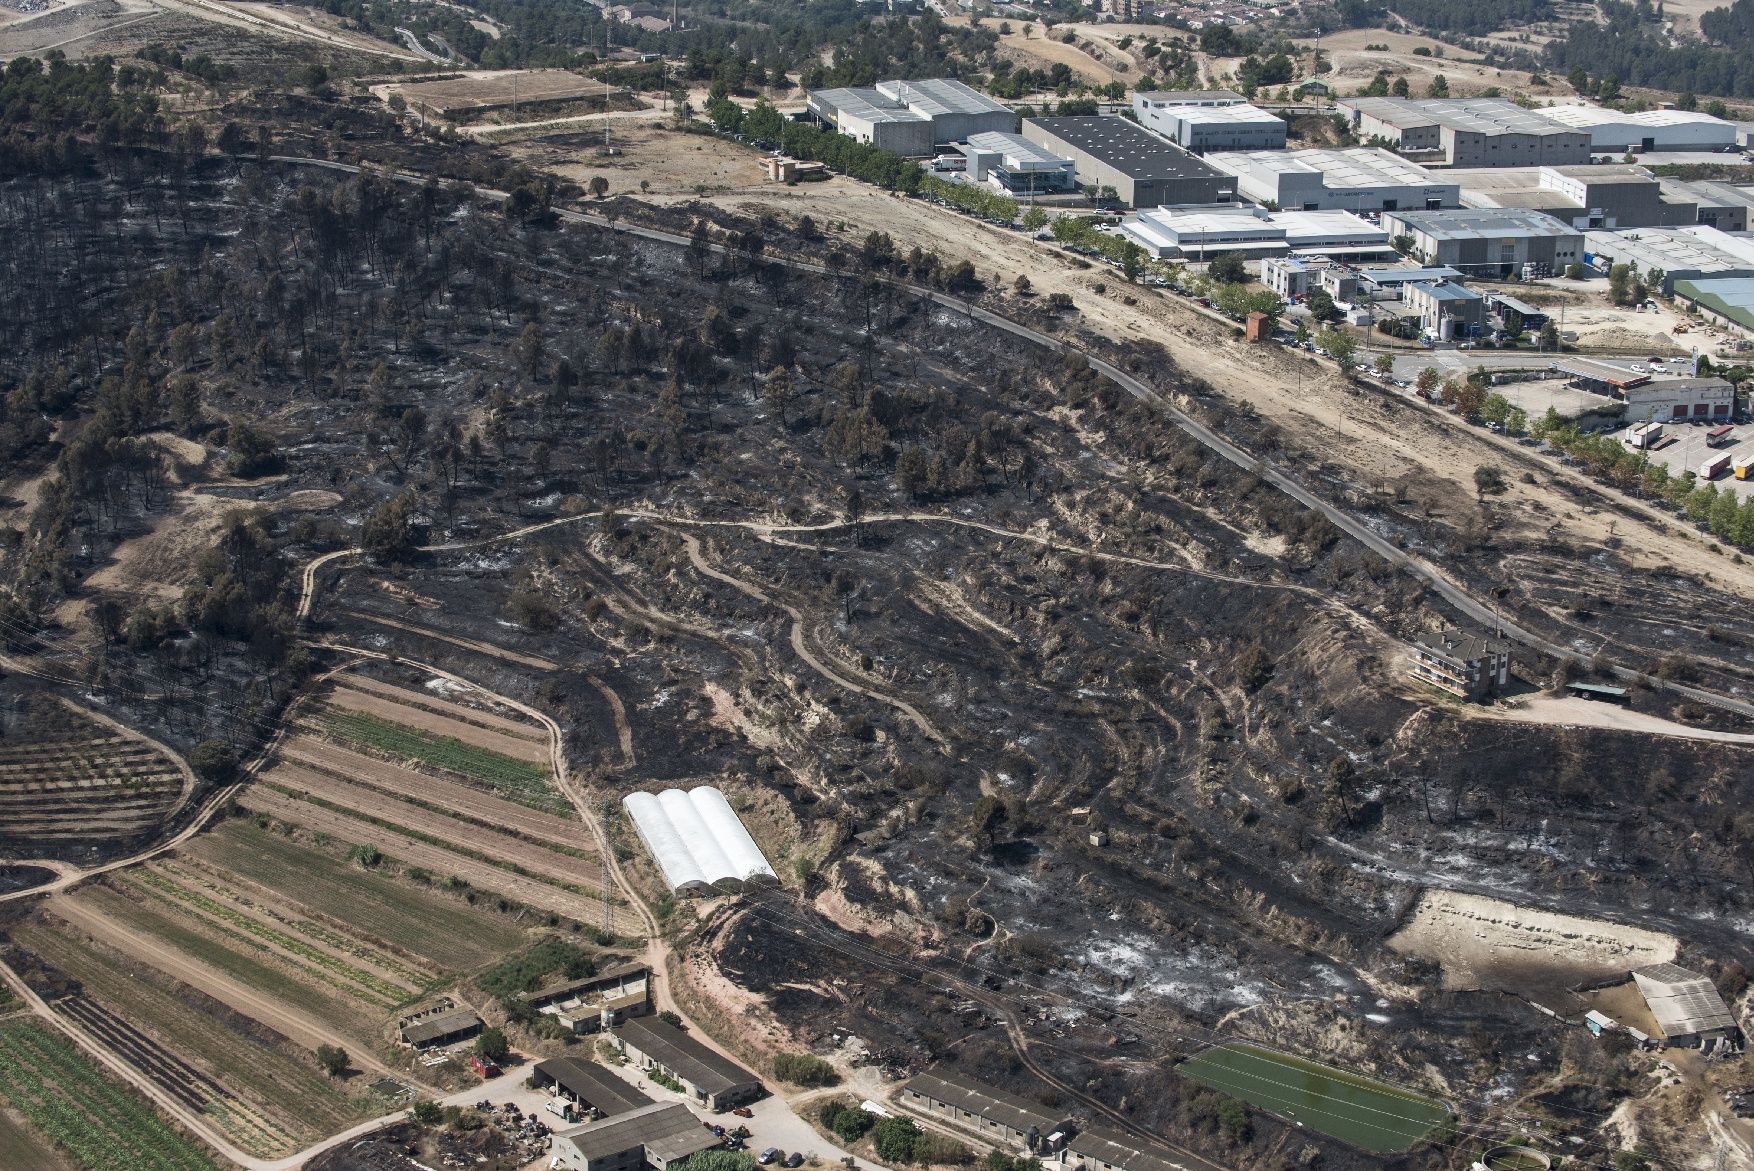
(468, 644)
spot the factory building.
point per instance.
(1203, 234)
(1673, 399)
(1724, 206)
(1358, 179)
(1467, 132)
(715, 1082)
(1188, 97)
(1688, 1008)
(1385, 284)
(1608, 196)
(1144, 170)
(1647, 130)
(1201, 128)
(909, 117)
(999, 1117)
(1468, 666)
(1681, 253)
(1446, 311)
(1726, 301)
(651, 1137)
(1012, 163)
(1499, 241)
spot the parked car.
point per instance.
(744, 1112)
(767, 1156)
(793, 1160)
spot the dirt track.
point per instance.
(358, 682)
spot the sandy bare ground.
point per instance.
(444, 707)
(461, 799)
(1572, 712)
(1354, 65)
(516, 747)
(1487, 943)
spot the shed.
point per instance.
(987, 1110)
(1597, 1022)
(590, 1085)
(711, 1079)
(653, 1136)
(1686, 1005)
(441, 1029)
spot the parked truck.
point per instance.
(1644, 435)
(1744, 467)
(1714, 467)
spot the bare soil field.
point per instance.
(440, 724)
(499, 718)
(480, 90)
(1039, 51)
(1484, 943)
(1355, 65)
(1570, 711)
(383, 906)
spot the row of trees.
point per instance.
(1631, 48)
(974, 199)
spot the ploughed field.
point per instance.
(66, 779)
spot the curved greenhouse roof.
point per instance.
(697, 840)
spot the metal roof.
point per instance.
(1475, 115)
(865, 104)
(989, 1102)
(1127, 147)
(936, 97)
(1591, 116)
(1408, 276)
(593, 1085)
(667, 1131)
(1443, 291)
(1182, 97)
(696, 838)
(1708, 192)
(1599, 689)
(1733, 297)
(1683, 1002)
(1239, 114)
(1015, 146)
(683, 1056)
(1103, 1145)
(573, 986)
(434, 1028)
(1469, 223)
(1360, 166)
(1691, 249)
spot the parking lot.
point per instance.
(1689, 451)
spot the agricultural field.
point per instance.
(263, 1091)
(1370, 1114)
(67, 1101)
(69, 780)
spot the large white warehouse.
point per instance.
(1362, 178)
(1201, 234)
(1610, 130)
(697, 840)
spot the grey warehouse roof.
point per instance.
(1359, 166)
(1128, 148)
(1684, 1002)
(1481, 223)
(936, 97)
(1118, 1150)
(1447, 292)
(1182, 96)
(1480, 115)
(682, 1055)
(1389, 276)
(1014, 145)
(667, 1130)
(593, 1084)
(985, 1101)
(867, 105)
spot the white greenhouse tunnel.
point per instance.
(697, 840)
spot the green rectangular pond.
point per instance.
(1369, 1114)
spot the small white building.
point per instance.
(1289, 276)
(1446, 311)
(1204, 233)
(1014, 164)
(1206, 127)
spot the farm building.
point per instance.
(697, 840)
(1203, 234)
(1498, 241)
(1229, 127)
(1097, 1148)
(1012, 163)
(1446, 311)
(1144, 169)
(440, 1028)
(1681, 253)
(1001, 1118)
(1687, 1007)
(1358, 179)
(1466, 665)
(1603, 196)
(713, 1081)
(1647, 130)
(594, 1089)
(910, 117)
(1467, 132)
(600, 1001)
(655, 1136)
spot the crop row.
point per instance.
(379, 988)
(99, 1125)
(521, 780)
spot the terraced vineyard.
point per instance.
(260, 1089)
(98, 1124)
(68, 779)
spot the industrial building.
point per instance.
(1097, 1148)
(1238, 126)
(1467, 132)
(1496, 241)
(1681, 253)
(1002, 1118)
(595, 1091)
(1144, 170)
(1688, 1009)
(438, 1029)
(653, 1136)
(909, 117)
(1385, 284)
(1290, 277)
(1647, 130)
(1727, 301)
(1188, 97)
(1012, 163)
(1358, 179)
(1664, 400)
(592, 1003)
(1203, 234)
(711, 1080)
(698, 841)
(1724, 206)
(1608, 197)
(1446, 311)
(1470, 666)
